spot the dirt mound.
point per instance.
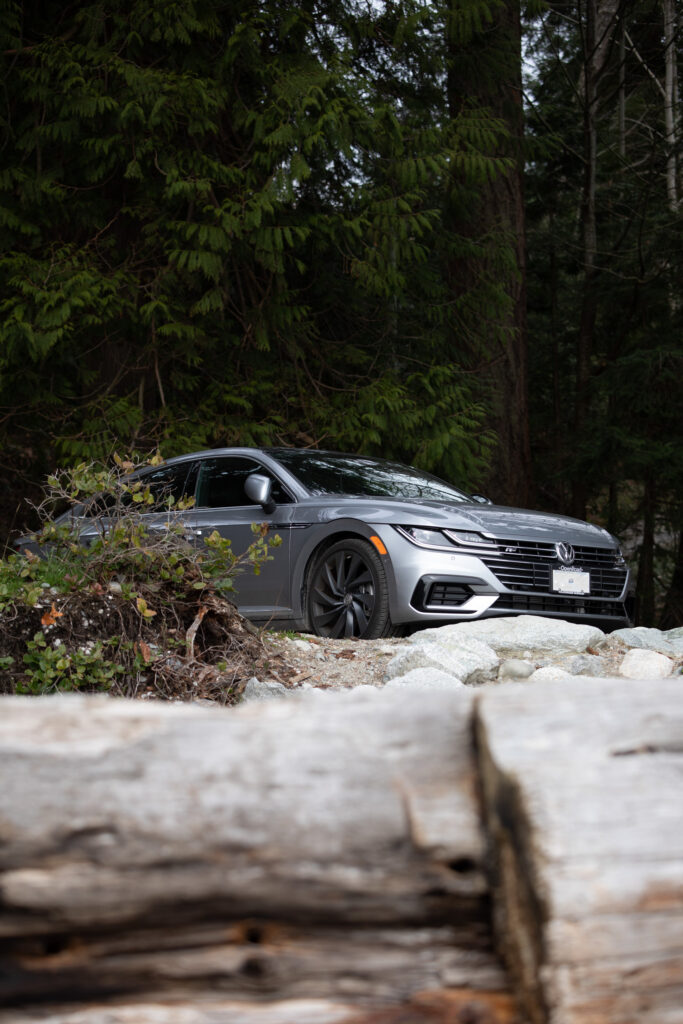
(91, 641)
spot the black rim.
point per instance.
(343, 595)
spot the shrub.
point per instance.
(134, 610)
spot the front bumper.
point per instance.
(432, 586)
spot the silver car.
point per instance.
(369, 546)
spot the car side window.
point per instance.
(166, 482)
(222, 480)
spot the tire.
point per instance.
(348, 594)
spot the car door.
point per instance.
(222, 504)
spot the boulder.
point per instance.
(675, 638)
(646, 638)
(468, 659)
(514, 636)
(640, 663)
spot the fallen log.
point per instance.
(583, 787)
(329, 862)
(453, 1007)
(354, 811)
(330, 850)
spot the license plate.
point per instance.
(565, 582)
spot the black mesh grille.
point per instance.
(556, 603)
(447, 595)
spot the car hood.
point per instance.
(498, 520)
(524, 524)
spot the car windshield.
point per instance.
(360, 475)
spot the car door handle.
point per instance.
(192, 533)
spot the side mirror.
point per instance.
(259, 489)
(481, 499)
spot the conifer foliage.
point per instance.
(222, 223)
(605, 224)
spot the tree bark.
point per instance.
(496, 215)
(672, 614)
(601, 18)
(671, 113)
(645, 588)
(589, 242)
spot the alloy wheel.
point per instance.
(348, 594)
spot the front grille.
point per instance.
(546, 603)
(527, 566)
(585, 556)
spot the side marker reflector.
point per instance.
(378, 544)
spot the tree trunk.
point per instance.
(671, 122)
(645, 592)
(599, 28)
(672, 615)
(496, 215)
(589, 241)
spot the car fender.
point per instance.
(324, 535)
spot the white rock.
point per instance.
(511, 636)
(645, 664)
(301, 645)
(255, 689)
(514, 670)
(646, 638)
(550, 674)
(467, 659)
(306, 690)
(425, 679)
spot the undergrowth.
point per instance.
(106, 597)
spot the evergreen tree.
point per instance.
(605, 262)
(224, 224)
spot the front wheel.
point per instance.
(347, 593)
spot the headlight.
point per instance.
(427, 538)
(444, 538)
(471, 539)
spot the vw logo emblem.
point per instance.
(565, 553)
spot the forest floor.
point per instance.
(302, 661)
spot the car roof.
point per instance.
(268, 450)
(206, 452)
